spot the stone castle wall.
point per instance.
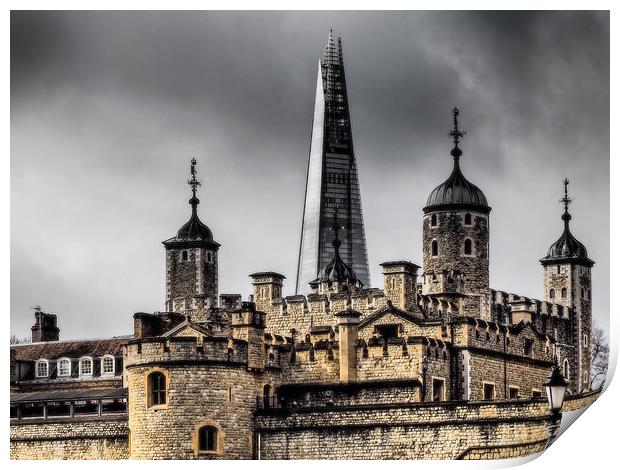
(79, 439)
(400, 431)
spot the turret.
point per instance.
(248, 324)
(191, 264)
(456, 234)
(568, 282)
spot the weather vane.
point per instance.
(194, 183)
(566, 200)
(456, 133)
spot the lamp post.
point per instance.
(556, 386)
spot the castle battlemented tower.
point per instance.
(332, 182)
(568, 282)
(191, 264)
(456, 237)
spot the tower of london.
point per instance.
(435, 363)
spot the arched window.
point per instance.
(64, 367)
(434, 248)
(207, 439)
(564, 292)
(566, 370)
(41, 368)
(467, 247)
(184, 255)
(107, 365)
(434, 220)
(468, 219)
(552, 293)
(156, 389)
(86, 366)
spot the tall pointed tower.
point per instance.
(568, 282)
(332, 182)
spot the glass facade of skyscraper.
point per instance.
(332, 182)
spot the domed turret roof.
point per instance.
(194, 228)
(457, 191)
(194, 231)
(567, 248)
(337, 270)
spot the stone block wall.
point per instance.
(450, 234)
(78, 439)
(398, 431)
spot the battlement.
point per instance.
(509, 300)
(437, 307)
(186, 348)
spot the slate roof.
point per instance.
(70, 348)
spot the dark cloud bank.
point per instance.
(107, 108)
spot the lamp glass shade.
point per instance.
(556, 386)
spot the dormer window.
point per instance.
(41, 368)
(64, 367)
(434, 220)
(107, 365)
(86, 366)
(468, 219)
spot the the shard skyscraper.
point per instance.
(332, 183)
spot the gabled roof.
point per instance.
(389, 308)
(199, 329)
(70, 348)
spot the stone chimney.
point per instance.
(45, 327)
(348, 321)
(399, 283)
(267, 288)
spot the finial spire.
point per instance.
(194, 183)
(336, 243)
(566, 201)
(456, 134)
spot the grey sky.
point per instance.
(107, 109)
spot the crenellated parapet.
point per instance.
(506, 301)
(302, 313)
(162, 350)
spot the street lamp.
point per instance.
(556, 386)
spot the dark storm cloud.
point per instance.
(107, 108)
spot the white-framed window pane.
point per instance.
(64, 368)
(107, 365)
(41, 369)
(86, 366)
